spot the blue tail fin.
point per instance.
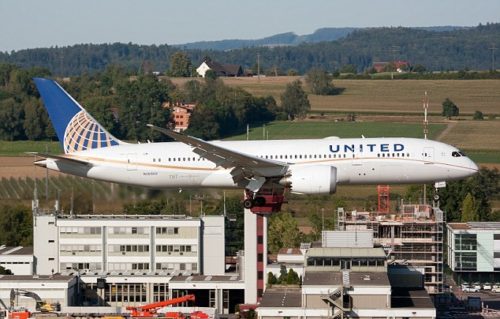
(75, 128)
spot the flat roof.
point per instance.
(410, 298)
(119, 217)
(327, 278)
(19, 250)
(355, 252)
(281, 297)
(205, 278)
(55, 277)
(290, 251)
(475, 226)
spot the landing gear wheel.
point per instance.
(248, 203)
(260, 201)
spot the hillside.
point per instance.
(457, 49)
(288, 39)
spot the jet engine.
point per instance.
(314, 179)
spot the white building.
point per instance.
(128, 244)
(19, 260)
(346, 282)
(51, 289)
(474, 251)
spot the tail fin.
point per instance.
(75, 128)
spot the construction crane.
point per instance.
(41, 305)
(150, 310)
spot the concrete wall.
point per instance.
(45, 244)
(213, 241)
(369, 301)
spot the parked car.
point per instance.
(495, 288)
(487, 286)
(470, 289)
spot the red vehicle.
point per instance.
(151, 310)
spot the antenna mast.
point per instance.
(426, 131)
(426, 122)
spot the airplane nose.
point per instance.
(473, 167)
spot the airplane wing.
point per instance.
(60, 157)
(245, 167)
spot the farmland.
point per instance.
(386, 96)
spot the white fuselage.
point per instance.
(358, 161)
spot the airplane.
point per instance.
(303, 166)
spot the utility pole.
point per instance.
(493, 48)
(258, 67)
(394, 50)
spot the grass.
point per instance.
(388, 95)
(309, 129)
(474, 135)
(19, 148)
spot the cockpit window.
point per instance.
(462, 153)
(455, 154)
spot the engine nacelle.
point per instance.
(314, 179)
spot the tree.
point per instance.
(11, 120)
(419, 68)
(294, 100)
(271, 279)
(141, 102)
(320, 82)
(292, 277)
(180, 65)
(35, 120)
(16, 225)
(484, 187)
(468, 214)
(478, 115)
(283, 275)
(283, 232)
(348, 68)
(449, 108)
(4, 271)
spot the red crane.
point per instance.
(150, 310)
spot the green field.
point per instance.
(19, 148)
(291, 130)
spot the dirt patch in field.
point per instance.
(21, 167)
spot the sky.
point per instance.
(46, 23)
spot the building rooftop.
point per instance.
(122, 217)
(334, 278)
(475, 226)
(281, 297)
(45, 278)
(290, 251)
(19, 250)
(203, 278)
(407, 214)
(410, 298)
(346, 252)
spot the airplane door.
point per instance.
(132, 162)
(429, 153)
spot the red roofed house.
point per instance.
(180, 113)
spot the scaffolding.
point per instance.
(413, 236)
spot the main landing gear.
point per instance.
(265, 201)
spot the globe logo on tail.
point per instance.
(84, 133)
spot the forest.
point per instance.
(456, 49)
(124, 103)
